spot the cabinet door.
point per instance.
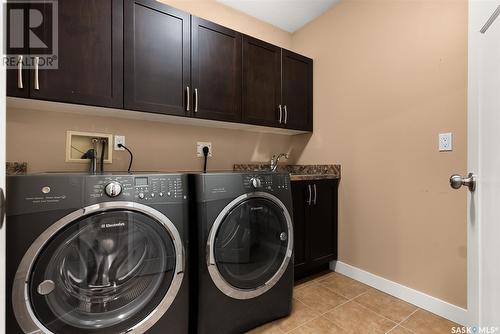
(300, 197)
(261, 82)
(17, 47)
(90, 55)
(322, 223)
(297, 91)
(216, 71)
(157, 59)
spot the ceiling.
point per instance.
(289, 15)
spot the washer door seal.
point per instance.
(250, 245)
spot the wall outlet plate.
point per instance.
(199, 149)
(119, 140)
(446, 142)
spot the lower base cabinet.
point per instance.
(315, 211)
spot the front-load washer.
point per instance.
(97, 254)
(243, 241)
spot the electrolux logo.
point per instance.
(118, 224)
(31, 34)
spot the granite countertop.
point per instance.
(16, 168)
(297, 172)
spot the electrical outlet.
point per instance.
(445, 142)
(119, 140)
(199, 149)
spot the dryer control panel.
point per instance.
(147, 188)
(266, 182)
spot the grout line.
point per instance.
(399, 323)
(334, 308)
(408, 317)
(380, 315)
(302, 324)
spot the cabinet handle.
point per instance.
(286, 114)
(187, 98)
(309, 200)
(20, 72)
(37, 84)
(2, 207)
(315, 195)
(281, 113)
(196, 100)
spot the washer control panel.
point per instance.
(136, 188)
(266, 182)
(158, 187)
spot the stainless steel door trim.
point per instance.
(187, 98)
(281, 114)
(20, 290)
(224, 286)
(315, 194)
(37, 83)
(2, 207)
(309, 198)
(286, 114)
(196, 100)
(20, 72)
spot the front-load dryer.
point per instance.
(243, 241)
(97, 254)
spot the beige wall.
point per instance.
(40, 138)
(388, 77)
(228, 17)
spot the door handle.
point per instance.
(457, 181)
(286, 114)
(281, 114)
(37, 83)
(187, 98)
(196, 100)
(2, 207)
(20, 72)
(309, 199)
(315, 195)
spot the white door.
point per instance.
(484, 159)
(2, 177)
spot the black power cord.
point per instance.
(131, 156)
(206, 150)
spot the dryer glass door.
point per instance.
(102, 274)
(251, 243)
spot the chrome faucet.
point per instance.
(276, 159)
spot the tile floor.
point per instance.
(333, 303)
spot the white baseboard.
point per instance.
(420, 299)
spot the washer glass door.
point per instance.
(251, 244)
(102, 274)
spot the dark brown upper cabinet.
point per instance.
(261, 88)
(297, 83)
(90, 55)
(216, 71)
(144, 55)
(157, 58)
